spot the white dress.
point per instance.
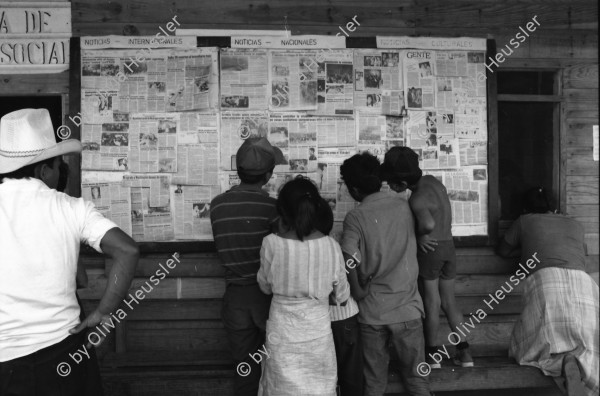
(300, 350)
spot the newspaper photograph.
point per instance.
(451, 63)
(105, 146)
(335, 82)
(467, 190)
(296, 135)
(473, 152)
(197, 149)
(293, 80)
(153, 142)
(419, 80)
(244, 79)
(375, 71)
(105, 191)
(237, 126)
(192, 211)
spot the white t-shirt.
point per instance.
(40, 233)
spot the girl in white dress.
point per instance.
(301, 267)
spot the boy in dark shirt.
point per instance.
(240, 219)
(436, 256)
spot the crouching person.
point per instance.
(44, 348)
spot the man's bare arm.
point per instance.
(125, 254)
(356, 289)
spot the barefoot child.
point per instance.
(435, 248)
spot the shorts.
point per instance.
(440, 263)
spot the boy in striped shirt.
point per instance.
(240, 219)
(345, 329)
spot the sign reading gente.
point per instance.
(34, 37)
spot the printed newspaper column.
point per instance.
(197, 149)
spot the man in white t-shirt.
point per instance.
(40, 234)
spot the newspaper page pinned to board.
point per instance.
(165, 80)
(237, 126)
(470, 117)
(435, 152)
(150, 223)
(468, 193)
(105, 191)
(277, 181)
(105, 146)
(371, 130)
(419, 80)
(335, 131)
(451, 63)
(296, 135)
(335, 82)
(197, 149)
(293, 81)
(192, 211)
(476, 70)
(473, 152)
(153, 142)
(376, 71)
(244, 79)
(158, 186)
(328, 180)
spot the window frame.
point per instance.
(558, 136)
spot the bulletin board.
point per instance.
(161, 122)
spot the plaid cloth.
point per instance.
(560, 316)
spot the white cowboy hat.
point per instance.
(27, 137)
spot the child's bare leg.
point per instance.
(449, 306)
(431, 301)
(455, 317)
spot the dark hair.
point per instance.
(535, 200)
(362, 171)
(324, 217)
(252, 179)
(28, 171)
(299, 205)
(401, 164)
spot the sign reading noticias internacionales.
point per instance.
(34, 37)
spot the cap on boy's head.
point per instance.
(256, 156)
(401, 164)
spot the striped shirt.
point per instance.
(240, 219)
(337, 312)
